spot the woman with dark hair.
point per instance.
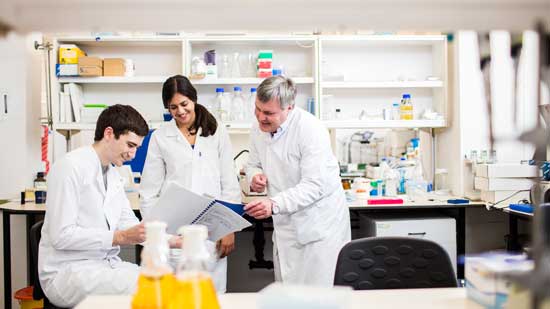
(193, 151)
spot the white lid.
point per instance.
(155, 232)
(441, 171)
(194, 237)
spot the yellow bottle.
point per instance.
(156, 281)
(406, 108)
(194, 288)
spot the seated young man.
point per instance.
(88, 215)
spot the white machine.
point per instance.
(439, 229)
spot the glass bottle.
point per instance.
(40, 182)
(406, 108)
(156, 281)
(194, 287)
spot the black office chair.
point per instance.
(393, 263)
(37, 292)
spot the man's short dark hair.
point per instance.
(123, 119)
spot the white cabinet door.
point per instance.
(12, 116)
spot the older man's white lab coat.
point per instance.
(76, 255)
(312, 223)
(205, 169)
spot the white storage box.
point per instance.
(497, 196)
(485, 281)
(439, 229)
(502, 184)
(507, 170)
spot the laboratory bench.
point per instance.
(32, 210)
(450, 298)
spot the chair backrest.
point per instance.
(35, 234)
(394, 263)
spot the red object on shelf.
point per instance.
(385, 201)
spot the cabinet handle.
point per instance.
(417, 234)
(5, 103)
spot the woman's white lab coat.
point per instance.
(76, 255)
(205, 169)
(312, 223)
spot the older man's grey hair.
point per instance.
(277, 87)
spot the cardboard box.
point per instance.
(497, 196)
(502, 184)
(69, 54)
(507, 170)
(90, 66)
(113, 67)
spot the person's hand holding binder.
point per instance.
(225, 245)
(258, 183)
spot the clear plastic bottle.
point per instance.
(235, 67)
(225, 107)
(395, 111)
(194, 288)
(406, 108)
(251, 106)
(237, 105)
(217, 104)
(156, 282)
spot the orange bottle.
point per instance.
(156, 281)
(194, 288)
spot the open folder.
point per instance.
(178, 206)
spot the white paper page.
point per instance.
(177, 207)
(221, 221)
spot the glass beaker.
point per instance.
(441, 185)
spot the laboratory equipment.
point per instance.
(406, 108)
(328, 107)
(235, 66)
(225, 67)
(217, 104)
(441, 186)
(198, 68)
(155, 282)
(40, 182)
(439, 229)
(237, 105)
(395, 111)
(311, 105)
(194, 287)
(251, 105)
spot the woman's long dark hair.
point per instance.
(203, 118)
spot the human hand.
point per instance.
(259, 209)
(131, 236)
(225, 245)
(259, 182)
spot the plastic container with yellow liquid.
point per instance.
(156, 281)
(194, 288)
(406, 108)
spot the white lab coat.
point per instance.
(205, 169)
(303, 181)
(76, 255)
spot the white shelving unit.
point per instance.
(357, 73)
(369, 73)
(295, 55)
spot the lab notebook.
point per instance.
(178, 206)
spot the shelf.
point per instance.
(114, 80)
(245, 81)
(232, 127)
(365, 124)
(75, 126)
(388, 84)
